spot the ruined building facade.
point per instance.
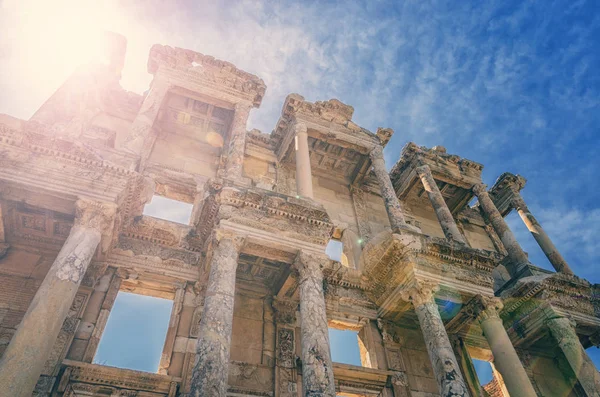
(428, 280)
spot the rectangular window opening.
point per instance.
(347, 348)
(484, 371)
(169, 210)
(335, 251)
(135, 332)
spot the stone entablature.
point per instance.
(203, 73)
(338, 145)
(455, 174)
(391, 262)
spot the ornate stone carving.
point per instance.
(286, 355)
(95, 215)
(421, 293)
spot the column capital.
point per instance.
(299, 128)
(420, 293)
(220, 235)
(479, 188)
(560, 322)
(490, 308)
(518, 202)
(242, 106)
(376, 153)
(309, 264)
(423, 170)
(95, 215)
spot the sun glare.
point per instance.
(61, 34)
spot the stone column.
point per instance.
(304, 185)
(24, 359)
(515, 252)
(142, 125)
(211, 368)
(392, 204)
(563, 332)
(444, 363)
(439, 205)
(555, 258)
(237, 141)
(506, 359)
(317, 368)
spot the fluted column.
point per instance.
(317, 368)
(515, 252)
(237, 141)
(142, 125)
(445, 366)
(506, 359)
(392, 204)
(24, 359)
(555, 258)
(440, 207)
(211, 368)
(563, 332)
(304, 185)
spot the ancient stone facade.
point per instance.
(427, 281)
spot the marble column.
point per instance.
(506, 359)
(438, 203)
(555, 258)
(317, 368)
(392, 204)
(141, 127)
(304, 185)
(514, 250)
(24, 359)
(237, 141)
(444, 363)
(211, 368)
(563, 332)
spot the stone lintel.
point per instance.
(93, 374)
(363, 381)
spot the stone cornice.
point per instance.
(331, 118)
(505, 190)
(199, 71)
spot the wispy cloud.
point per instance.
(511, 84)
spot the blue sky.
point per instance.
(514, 85)
(135, 332)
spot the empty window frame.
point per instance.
(135, 332)
(169, 210)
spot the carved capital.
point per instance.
(389, 332)
(490, 307)
(399, 379)
(95, 215)
(377, 153)
(518, 202)
(479, 189)
(309, 265)
(299, 128)
(220, 235)
(384, 135)
(423, 170)
(421, 293)
(285, 311)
